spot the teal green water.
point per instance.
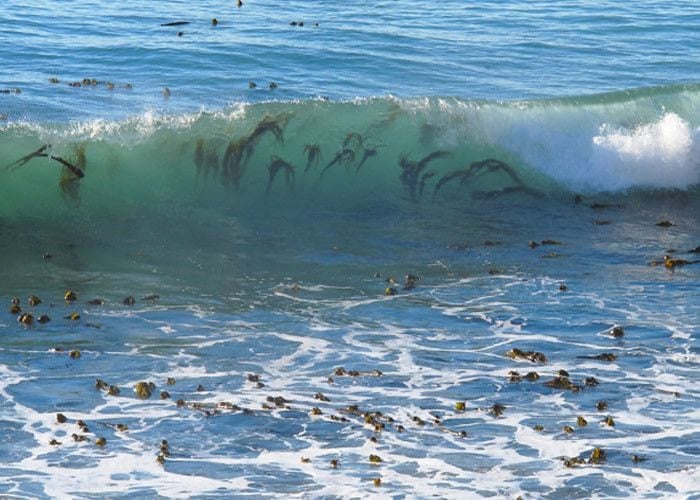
(517, 158)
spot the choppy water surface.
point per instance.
(266, 237)
(295, 304)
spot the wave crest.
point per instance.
(661, 154)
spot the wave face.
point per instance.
(623, 142)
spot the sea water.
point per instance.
(516, 157)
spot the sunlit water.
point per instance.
(293, 371)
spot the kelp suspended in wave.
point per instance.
(379, 148)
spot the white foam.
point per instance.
(658, 154)
(586, 147)
(662, 153)
(129, 131)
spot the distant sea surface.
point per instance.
(473, 50)
(389, 248)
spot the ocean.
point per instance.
(330, 249)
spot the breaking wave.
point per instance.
(622, 142)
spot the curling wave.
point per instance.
(424, 149)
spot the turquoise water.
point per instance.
(259, 231)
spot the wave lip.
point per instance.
(662, 154)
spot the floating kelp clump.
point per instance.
(341, 372)
(564, 383)
(535, 357)
(144, 389)
(598, 456)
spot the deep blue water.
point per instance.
(274, 230)
(484, 50)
